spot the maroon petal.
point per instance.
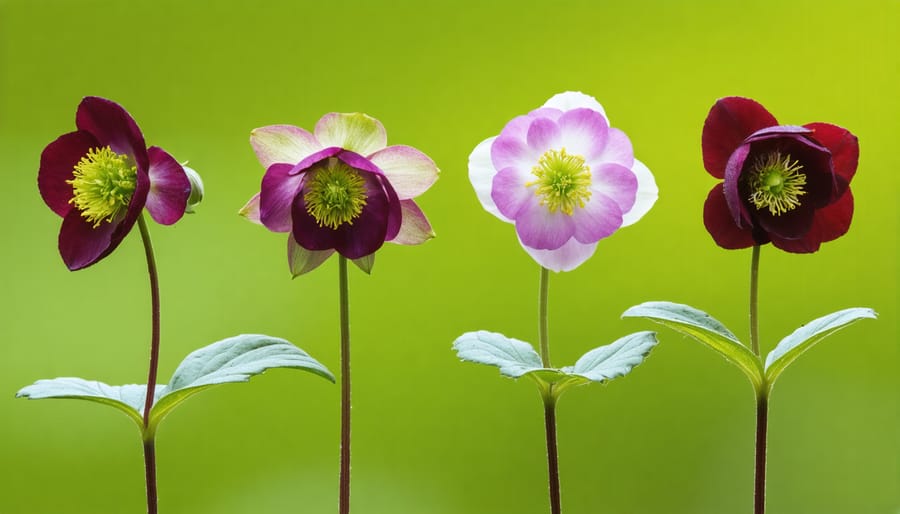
(170, 187)
(279, 187)
(80, 244)
(793, 224)
(829, 223)
(732, 187)
(111, 125)
(58, 162)
(720, 224)
(395, 210)
(843, 145)
(728, 123)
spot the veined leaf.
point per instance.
(514, 358)
(616, 359)
(705, 329)
(127, 398)
(806, 336)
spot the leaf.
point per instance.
(806, 336)
(127, 398)
(514, 358)
(616, 359)
(705, 329)
(235, 359)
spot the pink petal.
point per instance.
(584, 133)
(169, 187)
(728, 123)
(565, 258)
(541, 229)
(507, 152)
(276, 195)
(600, 217)
(409, 171)
(481, 175)
(509, 192)
(616, 149)
(58, 162)
(282, 144)
(301, 260)
(415, 228)
(543, 135)
(250, 210)
(617, 183)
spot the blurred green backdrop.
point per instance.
(433, 435)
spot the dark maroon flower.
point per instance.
(784, 184)
(100, 177)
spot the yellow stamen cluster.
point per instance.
(563, 181)
(335, 194)
(103, 183)
(776, 183)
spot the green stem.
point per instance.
(754, 300)
(149, 450)
(762, 415)
(543, 329)
(344, 498)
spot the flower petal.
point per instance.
(356, 132)
(276, 195)
(565, 258)
(585, 133)
(793, 224)
(509, 192)
(617, 149)
(600, 217)
(302, 260)
(169, 187)
(829, 224)
(647, 193)
(575, 100)
(481, 175)
(543, 135)
(58, 162)
(415, 228)
(733, 169)
(728, 123)
(282, 144)
(843, 145)
(80, 244)
(720, 224)
(250, 210)
(541, 229)
(410, 171)
(112, 126)
(509, 152)
(617, 183)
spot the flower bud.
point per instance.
(196, 189)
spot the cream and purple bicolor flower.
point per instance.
(100, 177)
(339, 189)
(564, 177)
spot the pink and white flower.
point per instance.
(564, 177)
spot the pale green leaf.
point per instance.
(705, 329)
(235, 359)
(127, 398)
(806, 336)
(616, 359)
(513, 357)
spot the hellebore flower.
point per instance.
(564, 177)
(784, 184)
(339, 189)
(100, 177)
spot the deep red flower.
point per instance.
(100, 177)
(784, 184)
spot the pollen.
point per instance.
(335, 195)
(776, 183)
(563, 181)
(103, 184)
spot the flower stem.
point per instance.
(344, 498)
(754, 300)
(543, 329)
(149, 450)
(552, 452)
(547, 395)
(762, 415)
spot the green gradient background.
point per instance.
(433, 435)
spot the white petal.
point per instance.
(282, 144)
(409, 171)
(574, 100)
(414, 228)
(647, 193)
(565, 258)
(481, 174)
(356, 132)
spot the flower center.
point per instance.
(563, 181)
(103, 183)
(335, 195)
(776, 183)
